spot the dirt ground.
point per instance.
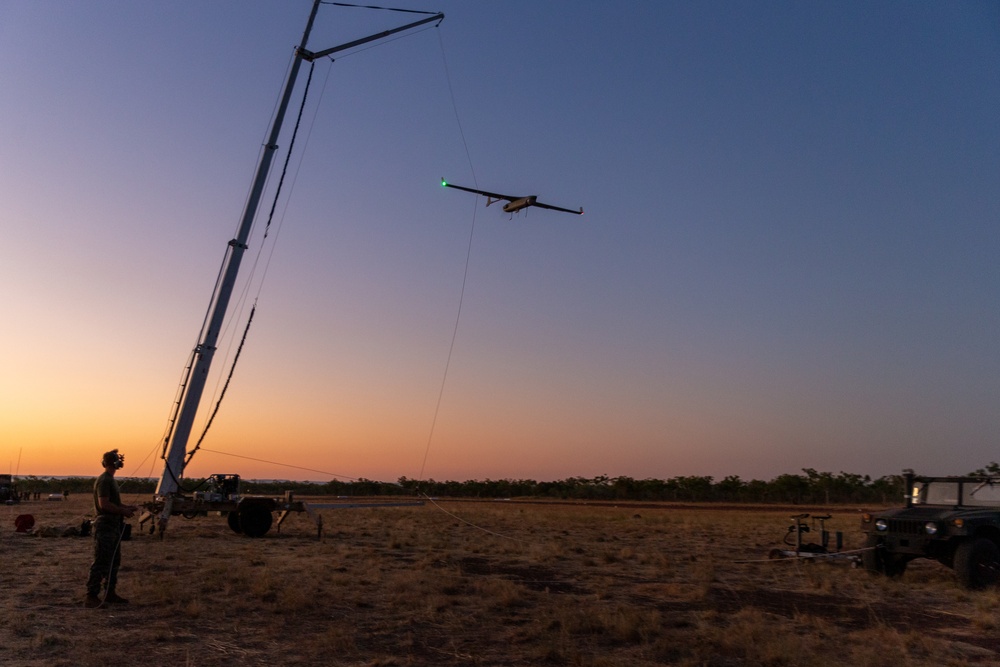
(481, 583)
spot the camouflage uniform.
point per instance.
(107, 538)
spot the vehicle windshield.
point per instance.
(935, 493)
(985, 494)
(975, 494)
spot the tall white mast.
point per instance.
(173, 469)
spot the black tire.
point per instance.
(255, 520)
(871, 558)
(895, 566)
(879, 562)
(233, 519)
(977, 563)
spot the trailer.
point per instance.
(799, 548)
(250, 515)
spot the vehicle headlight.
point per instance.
(881, 525)
(930, 528)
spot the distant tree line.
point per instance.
(812, 487)
(809, 488)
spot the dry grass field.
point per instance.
(468, 583)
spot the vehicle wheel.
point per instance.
(895, 566)
(977, 563)
(878, 561)
(255, 520)
(234, 521)
(872, 558)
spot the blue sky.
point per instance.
(788, 256)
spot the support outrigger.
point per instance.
(253, 515)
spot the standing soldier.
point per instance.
(108, 527)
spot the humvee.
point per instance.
(953, 520)
(8, 494)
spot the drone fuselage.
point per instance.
(517, 204)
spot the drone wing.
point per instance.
(491, 195)
(558, 208)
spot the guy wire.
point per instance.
(175, 407)
(278, 463)
(386, 9)
(458, 314)
(465, 272)
(246, 288)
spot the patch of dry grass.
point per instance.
(560, 584)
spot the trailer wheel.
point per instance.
(977, 563)
(255, 520)
(233, 518)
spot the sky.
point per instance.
(788, 260)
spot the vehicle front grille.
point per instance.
(906, 527)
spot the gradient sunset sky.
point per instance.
(790, 255)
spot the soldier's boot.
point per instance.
(114, 598)
(92, 602)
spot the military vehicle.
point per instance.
(953, 520)
(7, 493)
